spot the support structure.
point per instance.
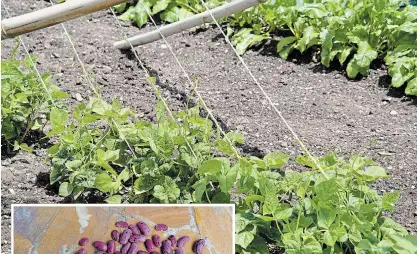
(55, 14)
(196, 20)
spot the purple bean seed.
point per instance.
(173, 240)
(81, 251)
(179, 251)
(144, 229)
(117, 252)
(111, 247)
(148, 245)
(135, 229)
(182, 241)
(133, 248)
(100, 252)
(125, 248)
(137, 238)
(166, 247)
(100, 245)
(199, 245)
(142, 252)
(122, 224)
(125, 236)
(156, 239)
(83, 241)
(154, 252)
(161, 227)
(115, 235)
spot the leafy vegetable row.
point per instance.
(299, 212)
(353, 32)
(25, 103)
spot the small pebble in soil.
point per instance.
(393, 112)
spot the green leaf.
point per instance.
(380, 5)
(210, 167)
(311, 245)
(235, 137)
(283, 213)
(327, 41)
(65, 189)
(226, 181)
(58, 118)
(257, 246)
(285, 45)
(310, 37)
(115, 199)
(361, 60)
(325, 216)
(271, 200)
(146, 183)
(77, 191)
(25, 147)
(345, 54)
(160, 6)
(168, 191)
(128, 15)
(74, 165)
(184, 13)
(221, 198)
(226, 147)
(389, 199)
(104, 183)
(406, 244)
(55, 176)
(200, 188)
(411, 88)
(140, 15)
(242, 220)
(375, 172)
(124, 175)
(251, 198)
(276, 160)
(244, 239)
(120, 7)
(248, 41)
(171, 14)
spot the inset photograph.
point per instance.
(138, 229)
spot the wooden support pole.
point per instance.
(196, 20)
(55, 14)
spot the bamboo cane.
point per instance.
(55, 14)
(196, 20)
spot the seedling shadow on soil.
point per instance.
(33, 138)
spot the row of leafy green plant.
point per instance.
(108, 150)
(25, 102)
(355, 33)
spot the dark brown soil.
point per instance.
(328, 111)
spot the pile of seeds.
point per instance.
(133, 234)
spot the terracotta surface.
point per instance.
(39, 230)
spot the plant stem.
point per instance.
(208, 199)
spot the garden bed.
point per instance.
(327, 110)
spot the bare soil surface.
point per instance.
(328, 111)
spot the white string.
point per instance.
(30, 58)
(147, 74)
(92, 86)
(265, 94)
(192, 84)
